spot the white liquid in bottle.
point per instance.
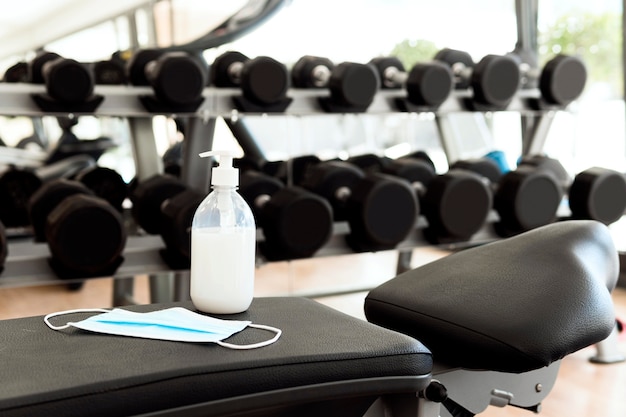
(223, 263)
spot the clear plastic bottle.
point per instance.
(223, 245)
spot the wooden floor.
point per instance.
(583, 389)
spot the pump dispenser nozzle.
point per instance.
(225, 173)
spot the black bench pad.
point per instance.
(512, 305)
(73, 372)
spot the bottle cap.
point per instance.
(225, 173)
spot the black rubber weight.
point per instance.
(136, 65)
(302, 71)
(353, 84)
(296, 223)
(563, 79)
(16, 188)
(456, 205)
(105, 183)
(429, 84)
(219, 74)
(86, 235)
(178, 79)
(598, 194)
(148, 197)
(383, 211)
(47, 198)
(527, 198)
(68, 81)
(495, 80)
(265, 80)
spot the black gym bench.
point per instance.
(498, 318)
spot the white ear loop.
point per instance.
(47, 318)
(254, 345)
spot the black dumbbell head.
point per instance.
(526, 198)
(429, 84)
(136, 65)
(382, 211)
(35, 67)
(265, 80)
(16, 188)
(354, 85)
(485, 167)
(254, 185)
(177, 78)
(109, 72)
(86, 236)
(563, 79)
(299, 166)
(456, 60)
(303, 72)
(386, 65)
(598, 194)
(456, 205)
(416, 171)
(47, 198)
(16, 73)
(68, 81)
(495, 80)
(147, 198)
(296, 224)
(177, 213)
(220, 73)
(330, 180)
(369, 162)
(548, 164)
(106, 183)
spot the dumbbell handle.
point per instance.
(393, 77)
(343, 193)
(529, 72)
(261, 200)
(320, 75)
(461, 71)
(234, 71)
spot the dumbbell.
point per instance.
(561, 80)
(264, 82)
(380, 210)
(35, 66)
(427, 84)
(494, 80)
(105, 183)
(352, 85)
(17, 185)
(455, 204)
(68, 81)
(295, 222)
(95, 180)
(16, 73)
(148, 195)
(596, 193)
(177, 214)
(524, 198)
(177, 78)
(109, 72)
(85, 234)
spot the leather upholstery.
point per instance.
(77, 373)
(512, 305)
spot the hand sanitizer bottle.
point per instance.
(223, 244)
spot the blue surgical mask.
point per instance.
(175, 324)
